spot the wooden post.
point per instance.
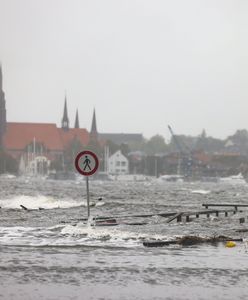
(174, 217)
(187, 219)
(217, 214)
(179, 218)
(226, 213)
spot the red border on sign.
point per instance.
(82, 172)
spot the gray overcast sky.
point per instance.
(142, 64)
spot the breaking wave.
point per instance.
(37, 202)
(72, 236)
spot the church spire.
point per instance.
(1, 78)
(93, 124)
(65, 119)
(2, 109)
(93, 132)
(76, 120)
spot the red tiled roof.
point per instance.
(19, 135)
(68, 135)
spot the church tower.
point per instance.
(76, 121)
(2, 110)
(93, 131)
(65, 119)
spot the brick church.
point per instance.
(36, 145)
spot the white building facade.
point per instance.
(118, 164)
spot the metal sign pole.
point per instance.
(87, 163)
(88, 196)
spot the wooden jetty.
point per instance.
(235, 205)
(178, 216)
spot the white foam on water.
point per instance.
(69, 236)
(201, 192)
(102, 232)
(35, 202)
(100, 203)
(93, 203)
(7, 176)
(34, 237)
(18, 235)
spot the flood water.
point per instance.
(50, 253)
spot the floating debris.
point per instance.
(191, 240)
(230, 244)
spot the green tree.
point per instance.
(58, 163)
(240, 141)
(7, 163)
(112, 146)
(124, 149)
(71, 152)
(155, 145)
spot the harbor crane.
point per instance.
(184, 159)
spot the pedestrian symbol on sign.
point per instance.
(87, 163)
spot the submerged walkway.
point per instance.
(235, 205)
(170, 215)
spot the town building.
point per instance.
(122, 138)
(39, 147)
(118, 164)
(36, 145)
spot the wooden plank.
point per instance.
(224, 204)
(159, 243)
(188, 241)
(23, 207)
(207, 212)
(135, 223)
(174, 217)
(164, 214)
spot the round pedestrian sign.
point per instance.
(86, 163)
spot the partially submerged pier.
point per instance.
(177, 216)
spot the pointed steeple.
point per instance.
(1, 78)
(76, 120)
(93, 131)
(93, 124)
(2, 109)
(65, 119)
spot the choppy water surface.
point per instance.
(51, 254)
